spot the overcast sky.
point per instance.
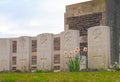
(32, 17)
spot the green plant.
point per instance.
(74, 60)
(41, 71)
(101, 69)
(5, 71)
(74, 63)
(17, 71)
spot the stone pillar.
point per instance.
(113, 21)
(69, 40)
(23, 53)
(45, 51)
(5, 54)
(98, 47)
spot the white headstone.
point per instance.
(23, 53)
(45, 51)
(98, 47)
(69, 40)
(5, 54)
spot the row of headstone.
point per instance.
(44, 53)
(98, 50)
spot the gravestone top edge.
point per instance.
(98, 27)
(5, 39)
(24, 37)
(69, 31)
(45, 34)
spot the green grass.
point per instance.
(61, 77)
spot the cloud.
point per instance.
(75, 1)
(32, 17)
(6, 24)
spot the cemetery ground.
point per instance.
(101, 76)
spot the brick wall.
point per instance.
(85, 8)
(82, 23)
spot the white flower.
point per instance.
(119, 66)
(116, 63)
(111, 66)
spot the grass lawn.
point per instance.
(61, 77)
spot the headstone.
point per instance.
(69, 40)
(98, 47)
(45, 51)
(5, 54)
(23, 53)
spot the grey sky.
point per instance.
(32, 17)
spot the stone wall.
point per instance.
(90, 18)
(82, 23)
(85, 8)
(14, 53)
(34, 53)
(56, 52)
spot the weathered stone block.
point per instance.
(98, 47)
(5, 54)
(23, 53)
(45, 51)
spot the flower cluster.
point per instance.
(74, 59)
(72, 53)
(76, 51)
